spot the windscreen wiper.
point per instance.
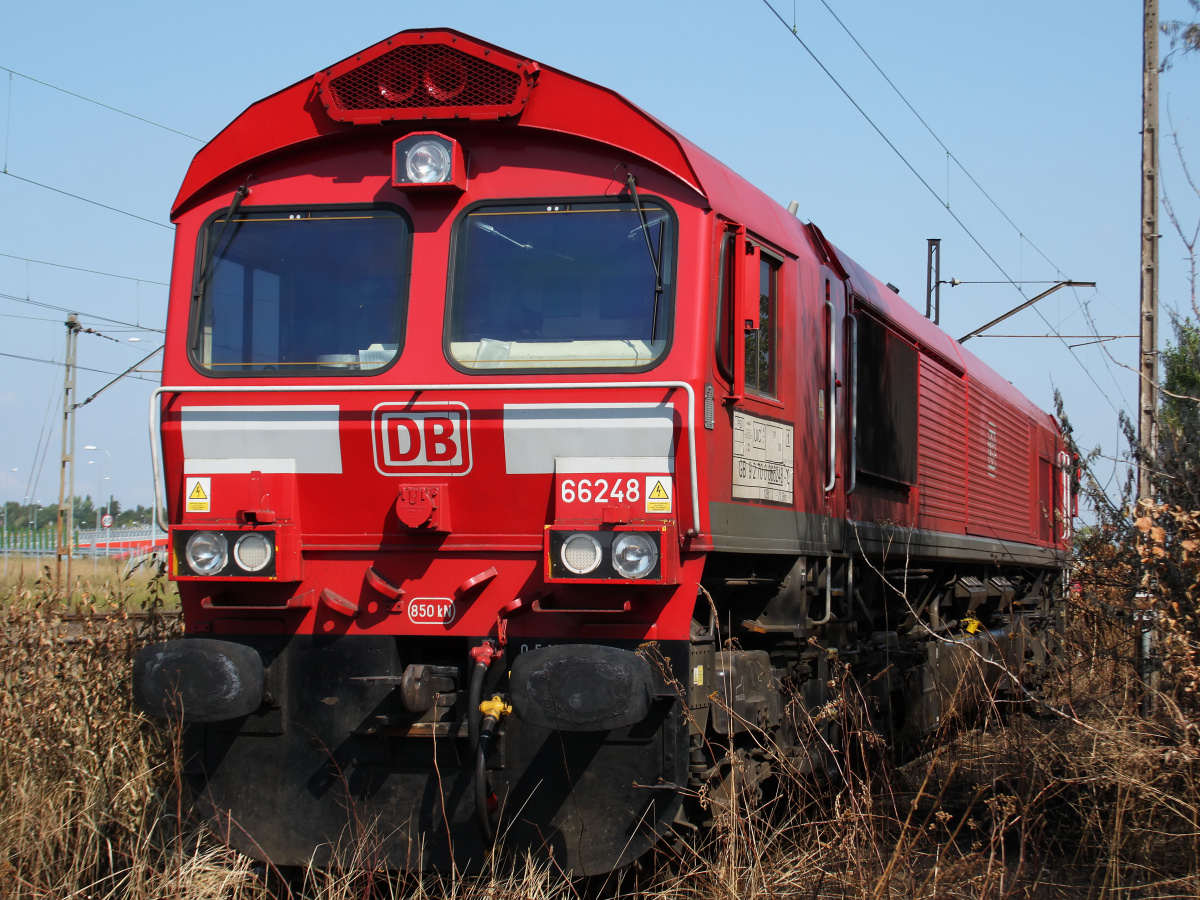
(658, 284)
(500, 234)
(650, 223)
(210, 254)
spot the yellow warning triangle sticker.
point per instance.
(658, 493)
(197, 493)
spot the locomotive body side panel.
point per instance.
(998, 462)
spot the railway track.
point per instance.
(136, 616)
(77, 623)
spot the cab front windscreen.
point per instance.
(301, 292)
(584, 285)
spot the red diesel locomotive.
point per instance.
(527, 470)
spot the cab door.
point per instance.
(752, 328)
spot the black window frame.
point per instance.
(887, 415)
(775, 264)
(454, 273)
(726, 304)
(196, 299)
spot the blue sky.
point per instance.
(1040, 102)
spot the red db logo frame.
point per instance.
(422, 438)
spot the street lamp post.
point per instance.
(108, 505)
(95, 537)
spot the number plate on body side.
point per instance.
(588, 496)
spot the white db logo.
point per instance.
(421, 438)
(431, 611)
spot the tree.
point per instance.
(1148, 557)
(1184, 36)
(135, 516)
(84, 511)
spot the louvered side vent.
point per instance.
(427, 80)
(886, 433)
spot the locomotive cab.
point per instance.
(527, 471)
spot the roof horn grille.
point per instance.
(427, 76)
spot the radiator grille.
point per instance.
(425, 77)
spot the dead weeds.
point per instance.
(1023, 804)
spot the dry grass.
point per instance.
(1093, 802)
(97, 583)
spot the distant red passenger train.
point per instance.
(530, 474)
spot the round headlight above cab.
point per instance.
(634, 555)
(206, 552)
(427, 162)
(253, 551)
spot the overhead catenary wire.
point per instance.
(30, 318)
(64, 309)
(7, 121)
(54, 87)
(961, 224)
(949, 154)
(51, 362)
(35, 469)
(42, 262)
(957, 219)
(1107, 337)
(1109, 361)
(86, 200)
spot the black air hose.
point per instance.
(482, 791)
(474, 698)
(492, 712)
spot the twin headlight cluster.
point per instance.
(214, 553)
(599, 555)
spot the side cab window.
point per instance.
(747, 314)
(760, 341)
(725, 305)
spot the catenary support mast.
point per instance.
(1148, 337)
(66, 479)
(1148, 318)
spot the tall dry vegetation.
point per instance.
(88, 798)
(1078, 798)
